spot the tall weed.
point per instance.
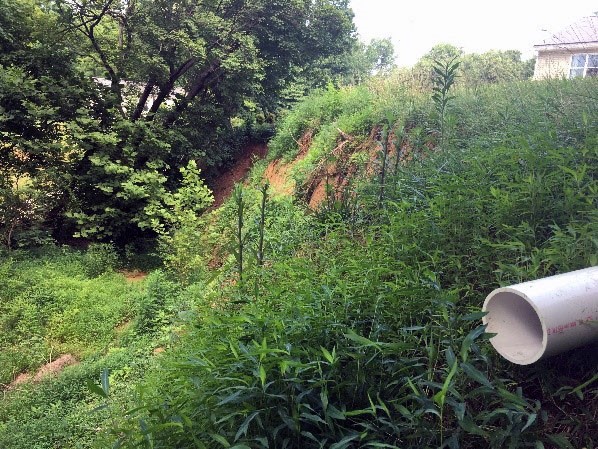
(365, 333)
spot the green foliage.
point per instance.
(445, 74)
(59, 410)
(259, 255)
(180, 254)
(41, 90)
(171, 79)
(375, 58)
(552, 112)
(120, 186)
(100, 258)
(491, 67)
(181, 206)
(495, 66)
(156, 305)
(240, 241)
(363, 325)
(22, 211)
(49, 307)
(324, 117)
(365, 333)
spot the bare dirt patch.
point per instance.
(134, 275)
(352, 158)
(278, 172)
(334, 174)
(222, 186)
(49, 369)
(277, 175)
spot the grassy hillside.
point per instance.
(66, 315)
(356, 322)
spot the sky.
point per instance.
(415, 26)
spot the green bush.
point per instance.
(349, 108)
(100, 258)
(364, 332)
(157, 303)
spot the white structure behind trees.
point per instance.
(570, 53)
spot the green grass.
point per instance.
(59, 411)
(53, 305)
(50, 306)
(365, 332)
(362, 328)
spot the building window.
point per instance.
(584, 64)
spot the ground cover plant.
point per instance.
(59, 303)
(66, 315)
(353, 324)
(366, 332)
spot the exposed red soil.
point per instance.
(49, 369)
(222, 187)
(134, 276)
(277, 175)
(278, 172)
(320, 193)
(333, 176)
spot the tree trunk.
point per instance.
(200, 84)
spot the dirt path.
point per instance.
(133, 276)
(224, 184)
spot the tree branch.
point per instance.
(166, 89)
(143, 99)
(201, 82)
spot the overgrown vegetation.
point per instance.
(351, 322)
(71, 308)
(103, 102)
(364, 332)
(358, 325)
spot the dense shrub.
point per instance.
(365, 331)
(99, 259)
(49, 307)
(156, 305)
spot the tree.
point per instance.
(375, 58)
(179, 71)
(495, 66)
(423, 70)
(441, 53)
(171, 75)
(40, 93)
(194, 46)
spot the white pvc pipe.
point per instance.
(541, 318)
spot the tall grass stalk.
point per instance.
(262, 223)
(384, 145)
(445, 74)
(239, 201)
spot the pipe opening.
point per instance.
(519, 332)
